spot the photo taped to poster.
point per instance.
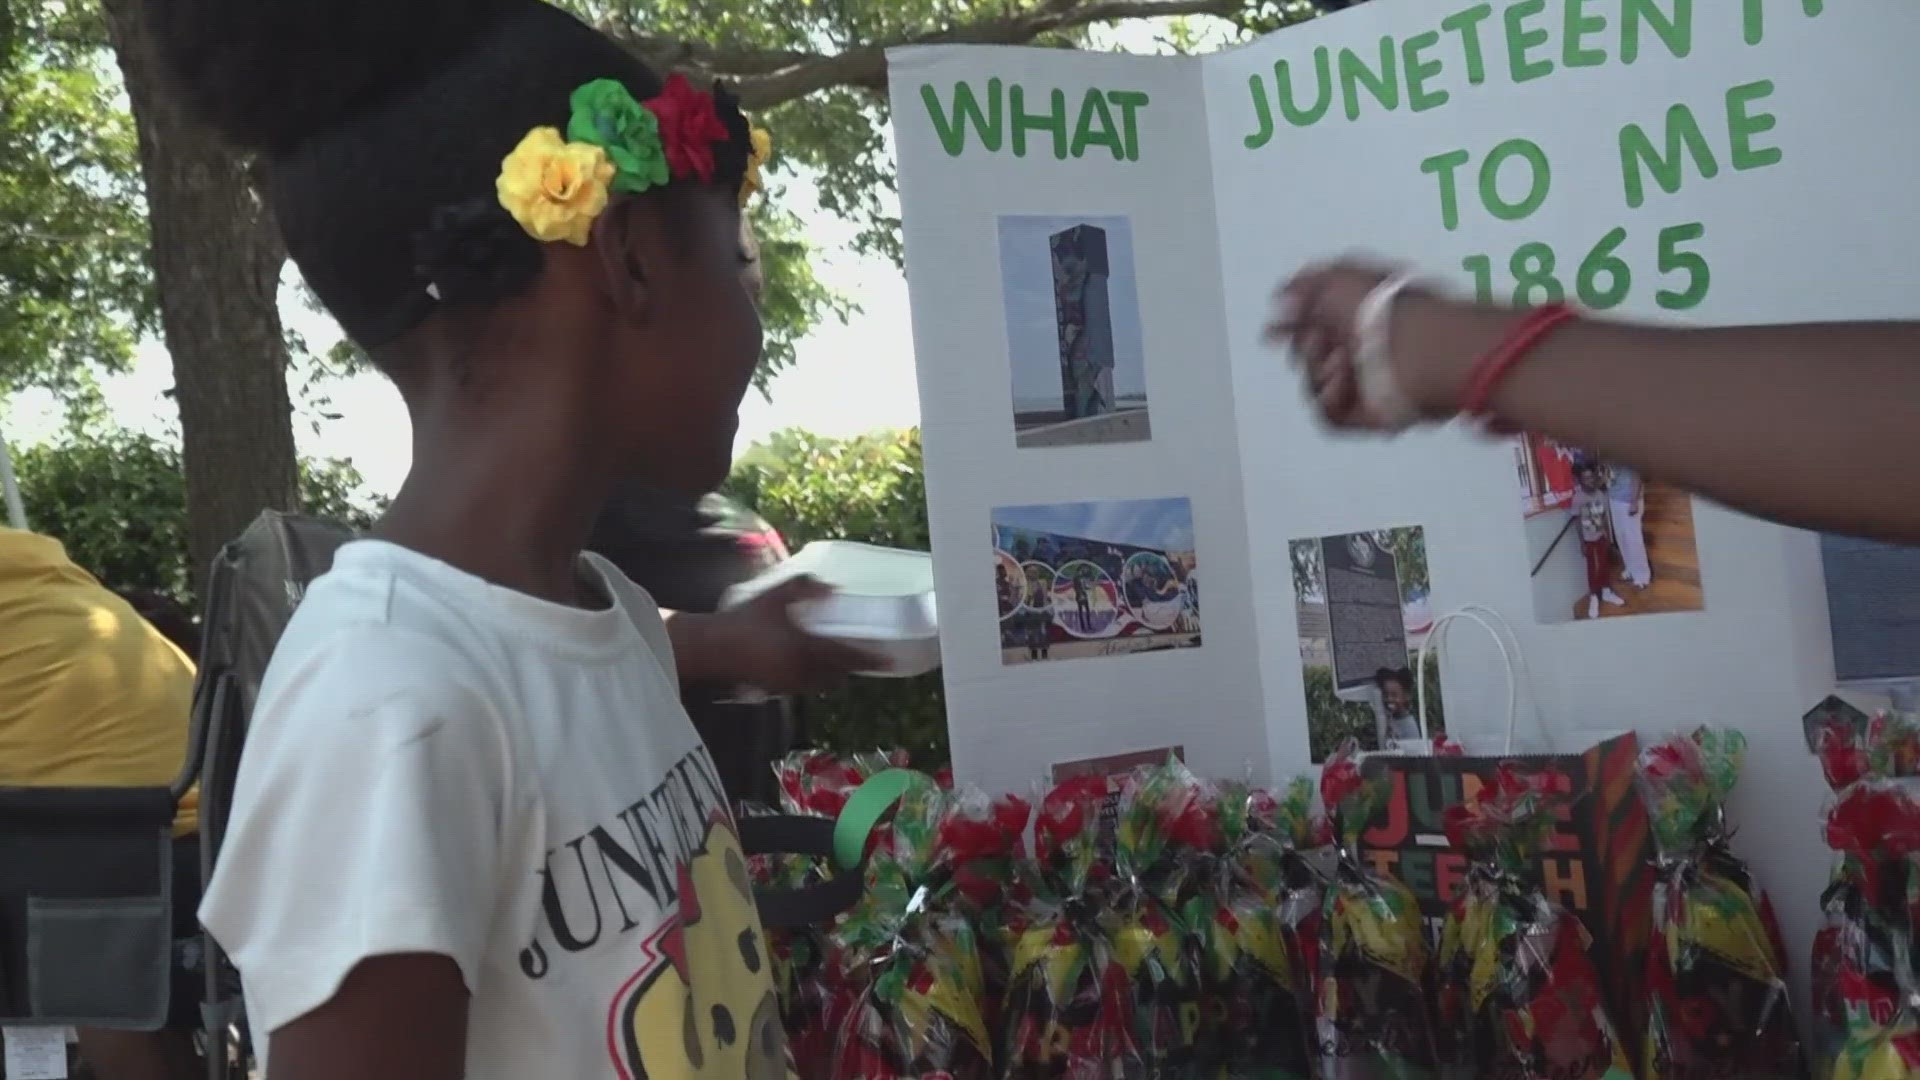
(1603, 542)
(1073, 331)
(1365, 608)
(1085, 579)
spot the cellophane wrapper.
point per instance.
(1069, 1007)
(1715, 984)
(804, 970)
(1864, 986)
(912, 960)
(1373, 1020)
(1164, 828)
(1258, 921)
(1516, 992)
(819, 781)
(982, 839)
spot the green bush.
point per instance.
(872, 489)
(118, 501)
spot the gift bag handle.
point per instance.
(1486, 617)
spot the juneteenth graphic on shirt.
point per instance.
(699, 1000)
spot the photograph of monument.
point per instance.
(1073, 329)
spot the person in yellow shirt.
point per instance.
(93, 695)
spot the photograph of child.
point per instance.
(1592, 509)
(1603, 541)
(1110, 578)
(1073, 331)
(1364, 609)
(1397, 722)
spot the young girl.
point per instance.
(1596, 543)
(475, 834)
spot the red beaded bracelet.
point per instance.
(1493, 368)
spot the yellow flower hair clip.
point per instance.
(759, 150)
(555, 188)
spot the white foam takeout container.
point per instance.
(882, 601)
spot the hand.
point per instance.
(1434, 342)
(760, 645)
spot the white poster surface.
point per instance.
(1734, 162)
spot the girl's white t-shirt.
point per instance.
(440, 765)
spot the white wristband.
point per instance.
(1380, 390)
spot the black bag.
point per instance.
(256, 583)
(86, 915)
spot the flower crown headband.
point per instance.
(555, 186)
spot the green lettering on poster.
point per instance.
(951, 127)
(1683, 139)
(1129, 102)
(1095, 128)
(1383, 85)
(1532, 267)
(1675, 29)
(1262, 132)
(1580, 26)
(1521, 41)
(1283, 91)
(1674, 259)
(1743, 125)
(1418, 70)
(1467, 25)
(1054, 120)
(1756, 17)
(1603, 261)
(1539, 179)
(1444, 166)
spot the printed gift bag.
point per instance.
(1596, 862)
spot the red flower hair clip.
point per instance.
(689, 127)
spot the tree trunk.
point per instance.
(216, 263)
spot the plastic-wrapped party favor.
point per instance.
(1866, 996)
(1852, 746)
(1517, 995)
(982, 839)
(804, 970)
(1373, 1021)
(1715, 991)
(1259, 925)
(914, 960)
(1069, 1012)
(819, 781)
(1165, 818)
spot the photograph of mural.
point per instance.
(1073, 331)
(1603, 542)
(1364, 607)
(1095, 579)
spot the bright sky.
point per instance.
(1156, 523)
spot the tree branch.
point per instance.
(764, 79)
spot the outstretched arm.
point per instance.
(1815, 426)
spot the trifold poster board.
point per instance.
(1092, 243)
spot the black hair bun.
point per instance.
(270, 74)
